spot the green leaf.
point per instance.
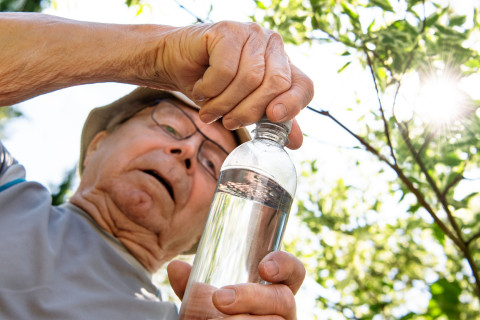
(384, 4)
(412, 3)
(445, 296)
(414, 208)
(451, 160)
(344, 66)
(370, 27)
(450, 31)
(409, 316)
(473, 63)
(140, 10)
(438, 234)
(260, 5)
(349, 10)
(431, 20)
(457, 21)
(313, 166)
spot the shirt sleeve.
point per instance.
(11, 172)
(6, 159)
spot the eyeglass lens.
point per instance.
(176, 124)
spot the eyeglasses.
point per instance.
(178, 125)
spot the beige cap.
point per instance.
(107, 117)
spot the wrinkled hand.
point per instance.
(243, 301)
(238, 71)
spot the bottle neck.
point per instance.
(271, 131)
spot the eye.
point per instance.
(171, 131)
(211, 156)
(210, 166)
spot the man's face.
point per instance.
(149, 183)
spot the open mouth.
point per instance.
(167, 185)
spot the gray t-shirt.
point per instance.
(56, 262)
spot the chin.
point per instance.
(139, 207)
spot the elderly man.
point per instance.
(149, 164)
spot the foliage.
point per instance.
(7, 113)
(64, 189)
(139, 5)
(374, 265)
(22, 5)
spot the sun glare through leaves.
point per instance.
(439, 101)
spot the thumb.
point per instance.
(296, 137)
(178, 273)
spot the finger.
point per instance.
(250, 75)
(224, 43)
(288, 104)
(178, 273)
(199, 304)
(277, 79)
(256, 299)
(282, 267)
(295, 138)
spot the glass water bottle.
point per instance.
(247, 218)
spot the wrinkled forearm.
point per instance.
(42, 53)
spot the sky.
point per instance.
(46, 141)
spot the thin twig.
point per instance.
(427, 141)
(452, 183)
(380, 106)
(473, 238)
(190, 12)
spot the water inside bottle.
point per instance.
(247, 220)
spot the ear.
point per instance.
(94, 145)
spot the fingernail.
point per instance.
(271, 268)
(280, 112)
(225, 297)
(209, 117)
(231, 124)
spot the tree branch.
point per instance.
(433, 185)
(421, 200)
(427, 141)
(459, 241)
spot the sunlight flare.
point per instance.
(439, 100)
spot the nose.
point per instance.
(186, 151)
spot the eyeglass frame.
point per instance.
(155, 105)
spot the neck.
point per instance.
(140, 242)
